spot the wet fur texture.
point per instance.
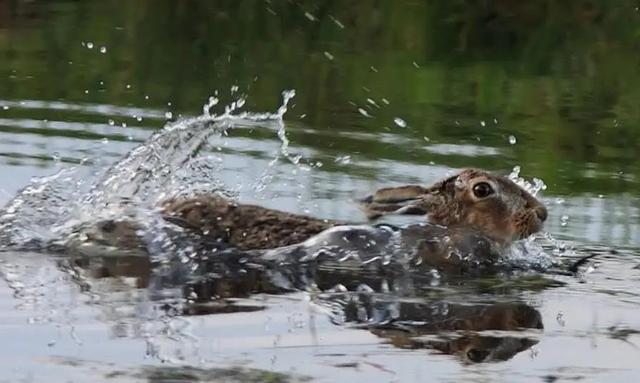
(246, 227)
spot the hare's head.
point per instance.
(491, 204)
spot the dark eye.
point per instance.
(476, 355)
(482, 190)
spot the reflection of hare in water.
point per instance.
(465, 323)
(470, 215)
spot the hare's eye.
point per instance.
(482, 190)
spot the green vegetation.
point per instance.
(562, 77)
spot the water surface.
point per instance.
(386, 93)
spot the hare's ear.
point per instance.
(397, 200)
(409, 199)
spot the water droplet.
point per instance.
(139, 118)
(168, 115)
(512, 140)
(384, 100)
(373, 69)
(337, 22)
(364, 112)
(415, 64)
(309, 16)
(328, 55)
(90, 45)
(426, 138)
(560, 319)
(86, 91)
(146, 97)
(483, 124)
(111, 122)
(564, 220)
(103, 49)
(343, 160)
(400, 122)
(55, 156)
(234, 89)
(128, 86)
(124, 125)
(105, 140)
(319, 164)
(5, 107)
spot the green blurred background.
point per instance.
(562, 77)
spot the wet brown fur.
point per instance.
(246, 227)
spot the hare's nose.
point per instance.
(541, 212)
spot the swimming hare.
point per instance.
(469, 217)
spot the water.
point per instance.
(401, 93)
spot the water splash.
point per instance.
(165, 165)
(533, 187)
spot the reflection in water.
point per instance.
(472, 332)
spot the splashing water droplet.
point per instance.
(90, 45)
(532, 187)
(5, 107)
(328, 55)
(206, 109)
(111, 122)
(105, 140)
(364, 112)
(512, 140)
(103, 49)
(128, 86)
(564, 220)
(343, 160)
(168, 115)
(139, 118)
(483, 124)
(400, 122)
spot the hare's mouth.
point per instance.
(534, 225)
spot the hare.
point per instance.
(471, 215)
(468, 216)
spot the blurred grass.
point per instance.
(562, 77)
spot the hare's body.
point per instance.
(471, 215)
